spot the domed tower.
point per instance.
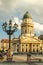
(27, 27)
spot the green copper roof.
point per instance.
(27, 15)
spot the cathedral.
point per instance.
(27, 41)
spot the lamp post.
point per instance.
(9, 29)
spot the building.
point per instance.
(28, 41)
(5, 44)
(41, 38)
(1, 47)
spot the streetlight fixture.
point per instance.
(9, 29)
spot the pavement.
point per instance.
(23, 58)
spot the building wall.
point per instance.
(5, 46)
(26, 47)
(27, 30)
(27, 27)
(1, 46)
(42, 46)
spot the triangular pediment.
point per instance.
(30, 40)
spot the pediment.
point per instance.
(30, 40)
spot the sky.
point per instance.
(15, 9)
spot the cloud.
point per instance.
(15, 9)
(38, 28)
(11, 8)
(17, 21)
(0, 3)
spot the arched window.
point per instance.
(26, 49)
(37, 49)
(17, 50)
(37, 45)
(22, 50)
(33, 45)
(33, 50)
(40, 48)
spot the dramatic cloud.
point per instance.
(11, 8)
(15, 9)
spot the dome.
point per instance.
(27, 15)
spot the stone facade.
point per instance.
(27, 42)
(5, 44)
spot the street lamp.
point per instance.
(9, 29)
(29, 55)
